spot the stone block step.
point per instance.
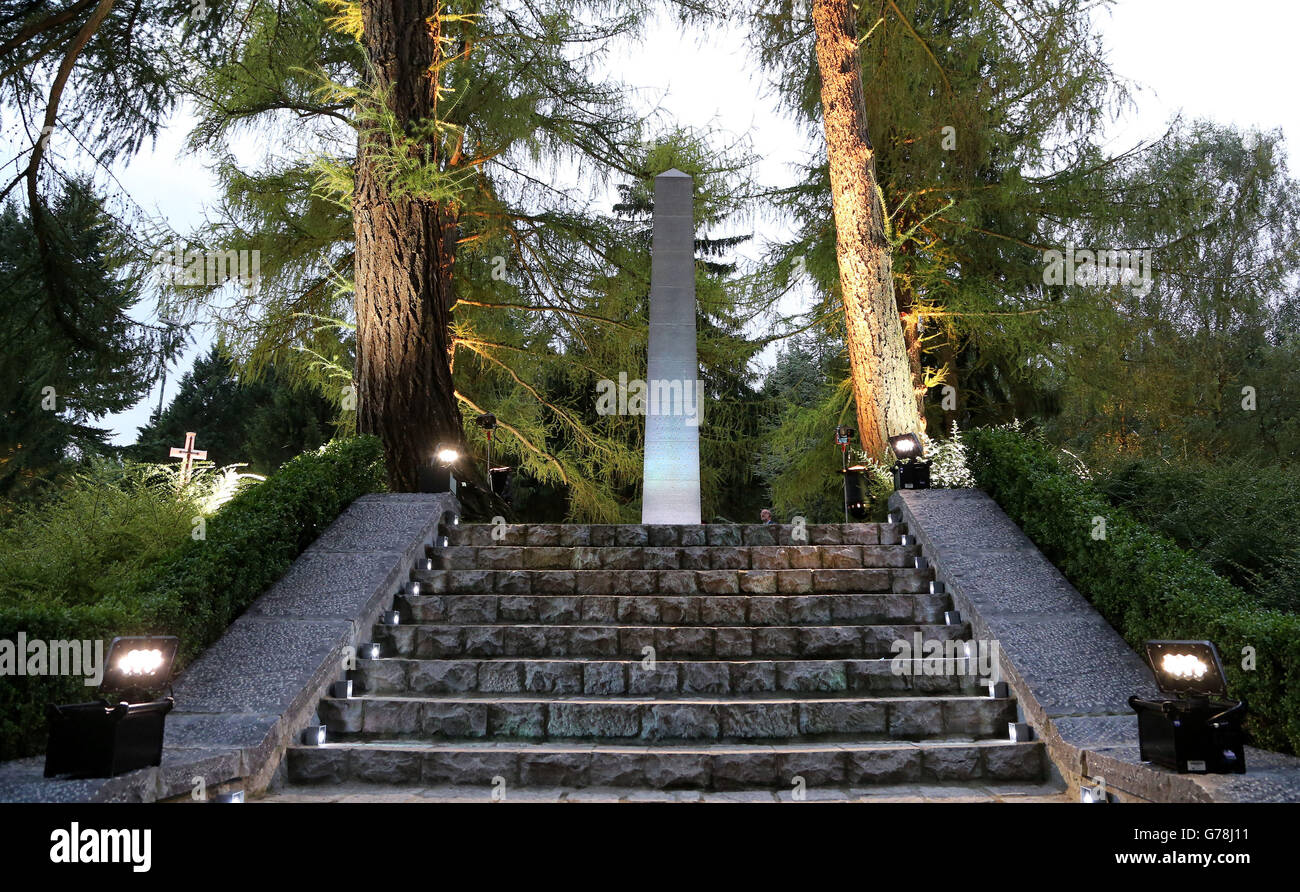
(670, 677)
(714, 610)
(638, 535)
(664, 642)
(744, 557)
(709, 767)
(612, 718)
(671, 582)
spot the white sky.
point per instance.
(1233, 63)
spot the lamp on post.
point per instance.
(498, 478)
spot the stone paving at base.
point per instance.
(367, 794)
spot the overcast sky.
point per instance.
(1230, 62)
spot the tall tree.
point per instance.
(882, 382)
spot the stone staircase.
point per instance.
(714, 657)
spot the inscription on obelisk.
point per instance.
(671, 490)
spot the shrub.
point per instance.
(193, 590)
(1141, 581)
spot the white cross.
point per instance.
(187, 456)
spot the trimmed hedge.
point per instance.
(1141, 581)
(197, 590)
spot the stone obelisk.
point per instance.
(671, 490)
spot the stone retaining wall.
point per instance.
(251, 693)
(1070, 671)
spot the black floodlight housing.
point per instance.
(437, 474)
(487, 421)
(103, 739)
(910, 472)
(1197, 729)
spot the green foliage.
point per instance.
(114, 556)
(261, 423)
(1241, 516)
(57, 382)
(1141, 581)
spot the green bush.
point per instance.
(1241, 516)
(194, 590)
(1141, 581)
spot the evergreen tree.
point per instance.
(261, 423)
(56, 384)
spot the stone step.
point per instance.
(529, 640)
(781, 717)
(670, 677)
(672, 582)
(715, 766)
(714, 610)
(603, 535)
(744, 557)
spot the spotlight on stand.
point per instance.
(437, 475)
(910, 472)
(1197, 729)
(854, 504)
(102, 739)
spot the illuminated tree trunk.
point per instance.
(405, 249)
(882, 383)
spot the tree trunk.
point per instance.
(405, 250)
(882, 383)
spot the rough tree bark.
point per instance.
(882, 381)
(405, 250)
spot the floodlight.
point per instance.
(1190, 731)
(139, 663)
(102, 739)
(909, 471)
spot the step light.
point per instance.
(1020, 732)
(368, 651)
(920, 562)
(235, 796)
(444, 541)
(103, 739)
(1195, 729)
(998, 690)
(313, 735)
(952, 617)
(906, 540)
(341, 690)
(390, 618)
(1092, 792)
(895, 517)
(936, 587)
(424, 564)
(413, 588)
